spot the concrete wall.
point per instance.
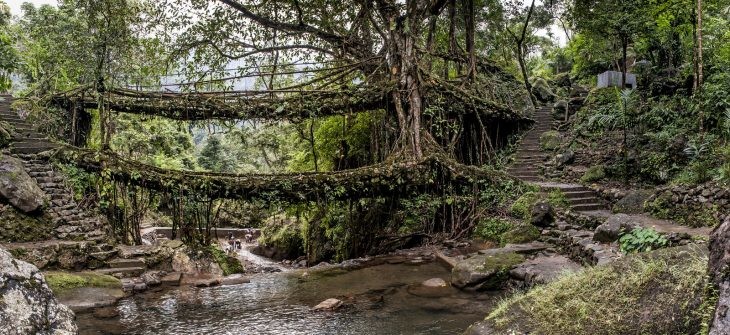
(222, 232)
(613, 79)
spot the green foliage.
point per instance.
(81, 181)
(339, 143)
(229, 264)
(594, 173)
(642, 240)
(284, 233)
(213, 158)
(492, 228)
(163, 143)
(522, 207)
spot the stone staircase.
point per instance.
(529, 156)
(26, 140)
(71, 222)
(528, 160)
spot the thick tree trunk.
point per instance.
(403, 63)
(523, 70)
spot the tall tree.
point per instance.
(383, 39)
(619, 19)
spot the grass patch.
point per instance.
(654, 293)
(61, 282)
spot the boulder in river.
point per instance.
(28, 305)
(435, 282)
(330, 304)
(485, 271)
(17, 187)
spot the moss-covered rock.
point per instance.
(550, 140)
(229, 264)
(633, 202)
(485, 272)
(17, 187)
(522, 206)
(6, 134)
(594, 173)
(541, 90)
(521, 233)
(653, 293)
(61, 282)
(19, 227)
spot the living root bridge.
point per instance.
(366, 182)
(235, 105)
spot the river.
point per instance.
(381, 299)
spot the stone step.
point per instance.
(122, 272)
(30, 150)
(103, 255)
(586, 200)
(529, 178)
(126, 263)
(587, 207)
(578, 194)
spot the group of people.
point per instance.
(233, 243)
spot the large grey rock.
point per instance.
(485, 271)
(27, 305)
(564, 158)
(17, 187)
(719, 266)
(610, 230)
(543, 269)
(632, 202)
(542, 214)
(330, 304)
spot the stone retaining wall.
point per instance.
(703, 205)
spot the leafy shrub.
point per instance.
(523, 205)
(642, 240)
(594, 173)
(492, 228)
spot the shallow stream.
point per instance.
(382, 299)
